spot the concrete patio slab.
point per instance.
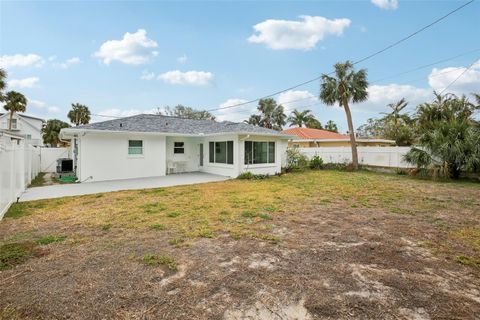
(66, 190)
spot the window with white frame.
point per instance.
(135, 147)
(14, 123)
(259, 152)
(221, 152)
(179, 147)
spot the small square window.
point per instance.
(135, 147)
(179, 147)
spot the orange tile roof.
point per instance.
(317, 134)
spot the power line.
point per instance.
(354, 63)
(459, 76)
(426, 66)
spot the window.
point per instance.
(179, 147)
(221, 152)
(29, 137)
(257, 152)
(14, 123)
(135, 147)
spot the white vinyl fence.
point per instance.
(18, 166)
(372, 156)
(49, 156)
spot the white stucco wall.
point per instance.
(229, 170)
(266, 168)
(190, 159)
(105, 157)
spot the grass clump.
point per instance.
(152, 259)
(106, 227)
(248, 214)
(158, 226)
(176, 241)
(265, 216)
(14, 253)
(38, 181)
(50, 239)
(18, 210)
(468, 261)
(173, 214)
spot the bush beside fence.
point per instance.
(371, 156)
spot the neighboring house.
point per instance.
(155, 145)
(313, 138)
(24, 125)
(8, 138)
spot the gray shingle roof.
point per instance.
(175, 125)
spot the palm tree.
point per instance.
(254, 120)
(396, 107)
(14, 102)
(331, 126)
(79, 114)
(314, 124)
(300, 118)
(3, 84)
(50, 132)
(347, 86)
(272, 115)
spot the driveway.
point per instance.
(76, 189)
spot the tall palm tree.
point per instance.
(14, 102)
(347, 86)
(331, 126)
(79, 114)
(254, 120)
(3, 83)
(396, 107)
(272, 115)
(300, 118)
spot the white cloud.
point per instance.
(303, 34)
(53, 109)
(68, 63)
(23, 83)
(21, 60)
(134, 48)
(294, 99)
(236, 114)
(386, 4)
(196, 78)
(146, 75)
(468, 82)
(183, 59)
(42, 109)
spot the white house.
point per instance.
(155, 145)
(24, 125)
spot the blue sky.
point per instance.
(212, 54)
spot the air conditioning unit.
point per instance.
(64, 165)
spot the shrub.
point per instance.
(250, 176)
(245, 176)
(296, 161)
(316, 163)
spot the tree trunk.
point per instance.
(10, 122)
(353, 142)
